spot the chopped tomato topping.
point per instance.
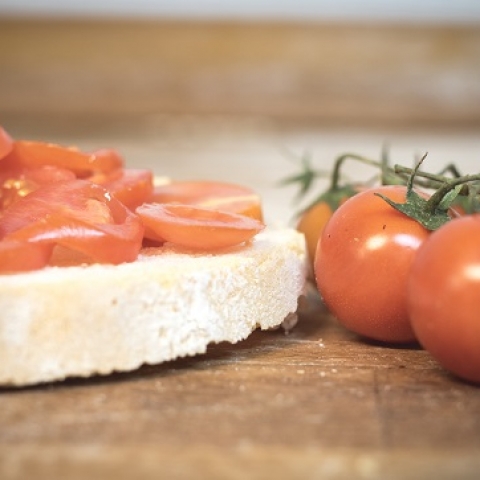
(36, 154)
(195, 227)
(132, 187)
(17, 183)
(18, 256)
(62, 206)
(211, 194)
(78, 215)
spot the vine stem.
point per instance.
(434, 201)
(438, 180)
(350, 156)
(393, 175)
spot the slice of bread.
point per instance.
(96, 319)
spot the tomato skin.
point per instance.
(362, 263)
(312, 221)
(102, 242)
(78, 215)
(218, 195)
(444, 296)
(18, 256)
(311, 224)
(61, 206)
(131, 186)
(17, 183)
(195, 227)
(31, 154)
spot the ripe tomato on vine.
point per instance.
(443, 297)
(311, 220)
(363, 261)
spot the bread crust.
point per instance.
(97, 319)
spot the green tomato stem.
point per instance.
(436, 180)
(434, 201)
(338, 164)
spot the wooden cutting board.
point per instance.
(316, 403)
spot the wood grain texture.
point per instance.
(356, 74)
(316, 401)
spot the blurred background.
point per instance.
(239, 90)
(396, 10)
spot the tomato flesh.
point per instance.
(130, 186)
(32, 154)
(195, 227)
(78, 215)
(444, 296)
(19, 256)
(362, 264)
(222, 196)
(18, 183)
(60, 205)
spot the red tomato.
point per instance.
(362, 263)
(132, 187)
(223, 196)
(48, 174)
(78, 215)
(6, 143)
(196, 228)
(444, 296)
(17, 183)
(36, 154)
(18, 256)
(312, 221)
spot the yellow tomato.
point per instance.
(311, 224)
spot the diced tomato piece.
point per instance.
(48, 174)
(132, 187)
(195, 227)
(18, 256)
(46, 207)
(78, 215)
(16, 184)
(33, 154)
(211, 194)
(105, 160)
(101, 242)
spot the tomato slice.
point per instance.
(18, 256)
(16, 184)
(6, 143)
(78, 215)
(196, 227)
(36, 154)
(103, 243)
(223, 196)
(132, 187)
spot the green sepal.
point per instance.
(449, 198)
(418, 208)
(304, 179)
(469, 203)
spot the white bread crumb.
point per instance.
(96, 319)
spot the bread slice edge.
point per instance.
(97, 319)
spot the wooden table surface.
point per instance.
(316, 403)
